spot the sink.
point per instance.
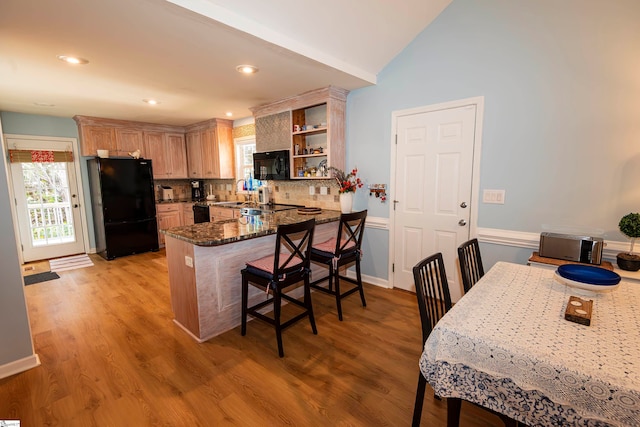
(250, 212)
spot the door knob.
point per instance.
(463, 205)
(462, 223)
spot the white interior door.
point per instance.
(47, 201)
(433, 186)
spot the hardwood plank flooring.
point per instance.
(111, 356)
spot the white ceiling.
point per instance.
(184, 53)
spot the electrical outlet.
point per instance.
(312, 190)
(188, 261)
(323, 191)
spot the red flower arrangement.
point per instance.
(348, 183)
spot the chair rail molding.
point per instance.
(523, 239)
(377, 222)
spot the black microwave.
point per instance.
(271, 165)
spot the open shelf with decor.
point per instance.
(316, 129)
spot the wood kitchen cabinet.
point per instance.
(210, 149)
(122, 137)
(168, 154)
(129, 140)
(168, 215)
(171, 215)
(320, 136)
(187, 214)
(96, 137)
(194, 154)
(219, 214)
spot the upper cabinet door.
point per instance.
(210, 149)
(194, 154)
(225, 152)
(95, 138)
(177, 149)
(128, 141)
(156, 151)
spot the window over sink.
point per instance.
(244, 149)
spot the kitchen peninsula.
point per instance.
(204, 262)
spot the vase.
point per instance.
(346, 202)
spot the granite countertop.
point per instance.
(164, 202)
(243, 228)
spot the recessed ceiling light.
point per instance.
(229, 114)
(247, 69)
(44, 104)
(72, 60)
(151, 101)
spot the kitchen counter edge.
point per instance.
(244, 228)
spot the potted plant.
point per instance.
(629, 226)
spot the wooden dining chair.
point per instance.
(340, 251)
(434, 301)
(470, 263)
(288, 266)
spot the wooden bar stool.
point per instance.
(342, 250)
(274, 273)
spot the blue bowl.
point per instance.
(589, 274)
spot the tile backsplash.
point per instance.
(295, 192)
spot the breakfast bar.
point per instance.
(204, 262)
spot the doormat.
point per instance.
(70, 262)
(40, 277)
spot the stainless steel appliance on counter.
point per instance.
(571, 248)
(124, 206)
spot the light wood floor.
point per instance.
(111, 356)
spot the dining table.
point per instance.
(506, 346)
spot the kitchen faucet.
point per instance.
(248, 198)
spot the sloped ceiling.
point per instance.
(184, 53)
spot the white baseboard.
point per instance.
(18, 366)
(377, 281)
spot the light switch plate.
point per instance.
(323, 191)
(493, 196)
(312, 190)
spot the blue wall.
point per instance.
(562, 111)
(37, 125)
(15, 333)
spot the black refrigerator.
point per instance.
(124, 206)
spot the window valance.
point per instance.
(39, 156)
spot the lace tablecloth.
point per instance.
(506, 346)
